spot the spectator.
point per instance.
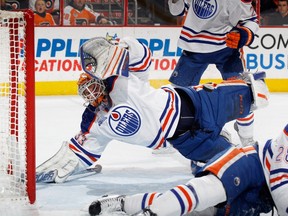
(78, 13)
(52, 6)
(281, 16)
(41, 17)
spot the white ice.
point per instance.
(127, 169)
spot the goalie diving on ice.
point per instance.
(121, 105)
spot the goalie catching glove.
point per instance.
(70, 160)
(239, 37)
(101, 58)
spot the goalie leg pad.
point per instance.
(259, 89)
(58, 167)
(71, 159)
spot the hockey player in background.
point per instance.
(121, 105)
(238, 181)
(214, 32)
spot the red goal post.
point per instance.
(17, 107)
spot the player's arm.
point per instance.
(177, 7)
(244, 19)
(140, 57)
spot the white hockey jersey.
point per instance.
(131, 119)
(207, 22)
(274, 157)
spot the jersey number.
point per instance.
(283, 154)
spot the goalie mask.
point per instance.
(92, 90)
(102, 59)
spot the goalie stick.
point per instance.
(53, 177)
(84, 173)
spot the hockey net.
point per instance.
(17, 107)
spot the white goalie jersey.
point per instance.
(274, 157)
(129, 119)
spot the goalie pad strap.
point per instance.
(84, 155)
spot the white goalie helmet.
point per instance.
(91, 89)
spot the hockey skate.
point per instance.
(107, 205)
(245, 141)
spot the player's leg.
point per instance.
(214, 107)
(223, 141)
(122, 203)
(245, 126)
(245, 129)
(240, 171)
(188, 70)
(234, 172)
(230, 69)
(192, 196)
(179, 200)
(237, 97)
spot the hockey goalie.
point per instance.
(121, 105)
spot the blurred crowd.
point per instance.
(101, 12)
(274, 12)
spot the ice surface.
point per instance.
(127, 169)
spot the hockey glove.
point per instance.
(239, 37)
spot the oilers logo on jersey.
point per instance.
(204, 9)
(124, 121)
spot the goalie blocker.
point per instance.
(70, 162)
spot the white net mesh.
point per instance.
(12, 107)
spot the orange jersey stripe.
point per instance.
(190, 202)
(146, 63)
(150, 201)
(279, 178)
(262, 96)
(247, 118)
(230, 156)
(116, 64)
(202, 36)
(113, 56)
